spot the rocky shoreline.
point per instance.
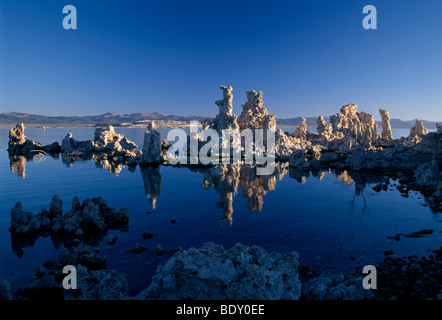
(239, 273)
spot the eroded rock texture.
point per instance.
(105, 141)
(386, 126)
(152, 145)
(213, 273)
(19, 144)
(254, 115)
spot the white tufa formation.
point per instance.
(254, 115)
(151, 145)
(386, 126)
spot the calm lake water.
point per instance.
(327, 217)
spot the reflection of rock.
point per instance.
(152, 183)
(19, 144)
(152, 145)
(18, 165)
(114, 166)
(238, 273)
(224, 179)
(88, 222)
(254, 187)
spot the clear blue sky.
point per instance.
(309, 57)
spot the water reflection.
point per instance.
(114, 166)
(17, 163)
(152, 183)
(226, 180)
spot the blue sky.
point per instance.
(309, 57)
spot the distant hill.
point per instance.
(12, 118)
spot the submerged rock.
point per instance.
(94, 281)
(138, 248)
(89, 222)
(336, 285)
(5, 290)
(213, 273)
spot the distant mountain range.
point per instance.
(12, 118)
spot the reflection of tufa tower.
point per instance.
(152, 183)
(18, 165)
(224, 179)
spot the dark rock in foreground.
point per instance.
(336, 285)
(85, 221)
(213, 273)
(94, 281)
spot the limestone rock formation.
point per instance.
(225, 119)
(386, 126)
(152, 145)
(71, 146)
(284, 144)
(105, 141)
(108, 140)
(418, 131)
(324, 128)
(212, 273)
(19, 144)
(301, 130)
(254, 115)
(359, 126)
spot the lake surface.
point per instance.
(333, 219)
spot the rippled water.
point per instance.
(333, 219)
